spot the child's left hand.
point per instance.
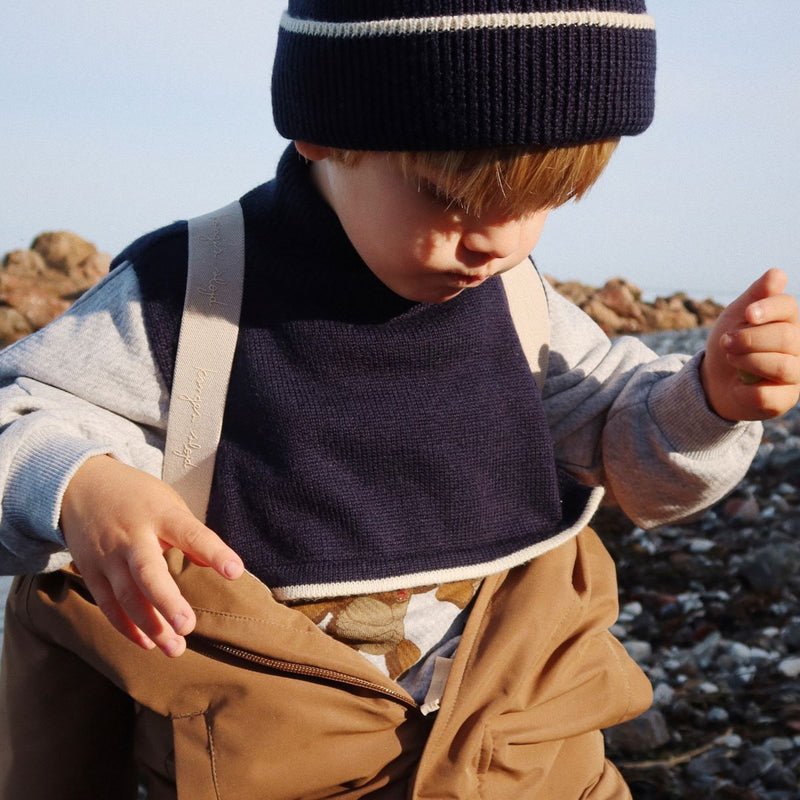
(751, 368)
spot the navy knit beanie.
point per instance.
(462, 74)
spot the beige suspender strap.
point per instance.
(209, 329)
(527, 303)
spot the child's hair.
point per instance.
(515, 180)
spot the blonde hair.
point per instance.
(514, 180)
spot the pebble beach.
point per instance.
(710, 609)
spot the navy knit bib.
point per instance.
(369, 442)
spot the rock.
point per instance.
(779, 744)
(756, 761)
(618, 308)
(37, 300)
(706, 650)
(769, 569)
(706, 311)
(711, 763)
(608, 319)
(732, 740)
(663, 695)
(574, 291)
(718, 716)
(745, 509)
(645, 627)
(740, 653)
(66, 253)
(671, 313)
(785, 463)
(13, 325)
(640, 652)
(38, 284)
(700, 546)
(779, 777)
(790, 667)
(791, 636)
(647, 732)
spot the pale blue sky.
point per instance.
(119, 117)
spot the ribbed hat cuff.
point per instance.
(463, 81)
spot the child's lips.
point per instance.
(467, 280)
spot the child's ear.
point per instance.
(312, 152)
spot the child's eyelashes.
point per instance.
(437, 194)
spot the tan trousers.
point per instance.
(265, 705)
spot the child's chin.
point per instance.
(433, 297)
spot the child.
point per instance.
(436, 618)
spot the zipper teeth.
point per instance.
(310, 672)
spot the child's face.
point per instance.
(419, 245)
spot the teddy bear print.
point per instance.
(375, 623)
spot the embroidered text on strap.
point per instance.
(209, 329)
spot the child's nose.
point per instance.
(496, 238)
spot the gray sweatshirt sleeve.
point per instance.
(638, 424)
(85, 385)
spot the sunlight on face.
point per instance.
(414, 238)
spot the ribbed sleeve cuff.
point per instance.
(43, 466)
(679, 407)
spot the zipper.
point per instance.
(305, 671)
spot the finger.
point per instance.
(149, 570)
(103, 596)
(202, 546)
(776, 368)
(775, 308)
(142, 613)
(771, 283)
(775, 337)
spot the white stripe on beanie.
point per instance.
(464, 22)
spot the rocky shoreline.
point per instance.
(618, 308)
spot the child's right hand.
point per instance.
(117, 522)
